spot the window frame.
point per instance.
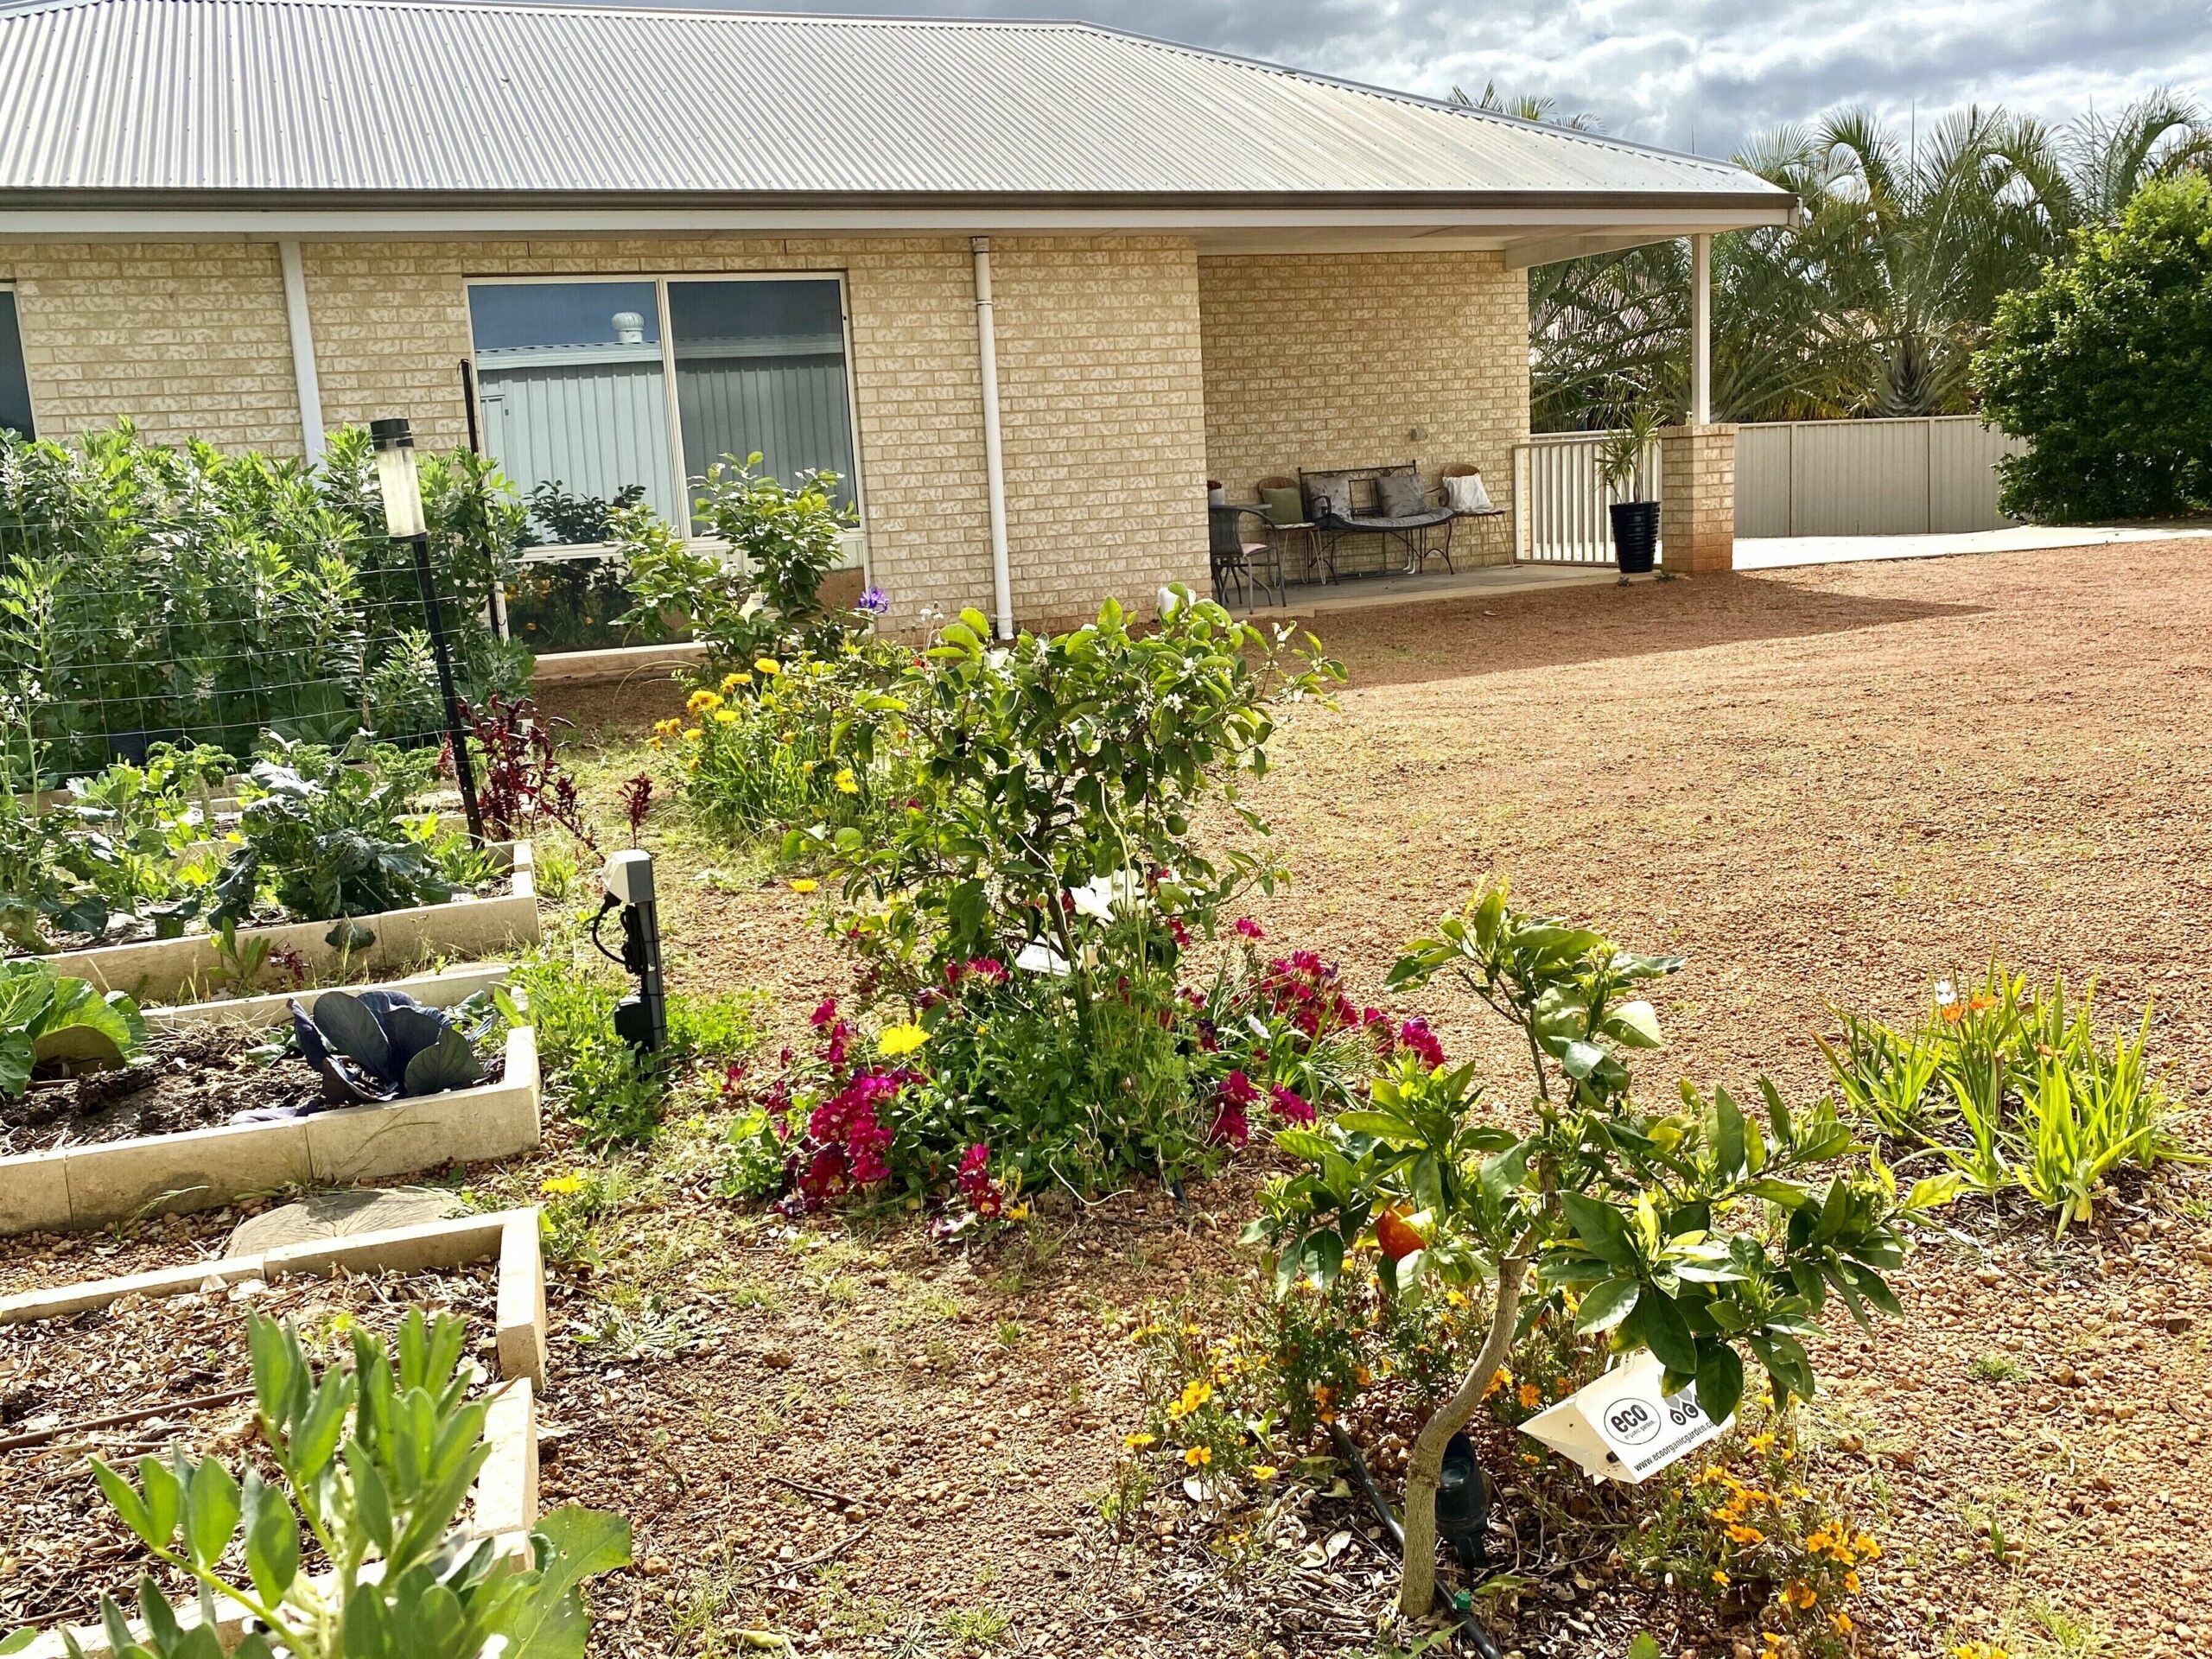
(9, 287)
(855, 539)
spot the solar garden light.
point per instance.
(641, 1018)
(393, 440)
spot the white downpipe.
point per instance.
(295, 317)
(987, 344)
(1701, 331)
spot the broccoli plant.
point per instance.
(383, 1045)
(1695, 1233)
(373, 1465)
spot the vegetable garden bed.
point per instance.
(150, 1139)
(166, 970)
(122, 1368)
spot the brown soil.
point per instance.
(62, 1544)
(195, 1081)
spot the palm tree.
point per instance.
(1875, 301)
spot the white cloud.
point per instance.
(1715, 71)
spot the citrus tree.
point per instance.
(1699, 1233)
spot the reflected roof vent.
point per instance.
(629, 328)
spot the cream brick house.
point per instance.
(1027, 286)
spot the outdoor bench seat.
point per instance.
(1333, 504)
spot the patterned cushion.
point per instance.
(1327, 495)
(1282, 506)
(1400, 495)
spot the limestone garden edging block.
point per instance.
(505, 1498)
(164, 970)
(201, 1169)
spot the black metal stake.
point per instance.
(464, 769)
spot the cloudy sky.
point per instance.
(1691, 73)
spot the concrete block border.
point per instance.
(201, 1169)
(166, 970)
(505, 1498)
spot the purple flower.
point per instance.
(873, 602)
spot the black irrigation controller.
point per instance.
(641, 1018)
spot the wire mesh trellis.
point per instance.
(161, 637)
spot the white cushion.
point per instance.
(1466, 494)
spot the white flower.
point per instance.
(1094, 898)
(1039, 957)
(1944, 994)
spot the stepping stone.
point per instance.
(335, 1214)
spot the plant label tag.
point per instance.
(1622, 1428)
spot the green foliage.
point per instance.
(1620, 456)
(758, 595)
(2101, 366)
(2011, 1087)
(49, 1016)
(766, 750)
(1697, 1234)
(147, 590)
(330, 833)
(1050, 847)
(1874, 300)
(374, 1464)
(614, 1095)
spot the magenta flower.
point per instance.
(1416, 1035)
(1238, 1090)
(1290, 1105)
(1231, 1127)
(1249, 928)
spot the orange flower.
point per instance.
(1531, 1396)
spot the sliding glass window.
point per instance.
(15, 382)
(575, 379)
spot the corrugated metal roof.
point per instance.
(291, 98)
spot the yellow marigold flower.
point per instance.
(1198, 1455)
(847, 784)
(1138, 1442)
(655, 742)
(1760, 1442)
(1363, 1376)
(725, 717)
(1800, 1594)
(668, 727)
(1531, 1396)
(1842, 1620)
(901, 1039)
(804, 884)
(1017, 1212)
(731, 682)
(1719, 1577)
(1456, 1298)
(563, 1186)
(1980, 1650)
(700, 702)
(1503, 1379)
(1746, 1535)
(767, 666)
(692, 733)
(1851, 1583)
(1865, 1544)
(1263, 1472)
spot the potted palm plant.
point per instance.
(1620, 464)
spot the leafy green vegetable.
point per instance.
(49, 1016)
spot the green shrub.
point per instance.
(1028, 902)
(150, 591)
(2102, 367)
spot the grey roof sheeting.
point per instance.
(354, 103)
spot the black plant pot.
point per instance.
(1636, 536)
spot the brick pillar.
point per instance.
(1697, 498)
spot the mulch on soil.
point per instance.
(188, 1356)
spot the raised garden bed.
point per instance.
(125, 1367)
(169, 971)
(164, 1143)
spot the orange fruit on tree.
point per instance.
(1397, 1235)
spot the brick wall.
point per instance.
(1697, 498)
(1102, 415)
(391, 327)
(187, 338)
(1326, 360)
